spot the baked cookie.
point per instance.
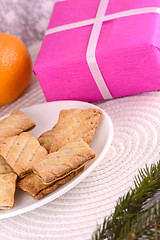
(69, 158)
(16, 123)
(7, 190)
(33, 185)
(4, 167)
(21, 151)
(72, 124)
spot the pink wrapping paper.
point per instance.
(127, 52)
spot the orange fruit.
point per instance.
(15, 68)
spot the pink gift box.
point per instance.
(127, 51)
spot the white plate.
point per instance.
(45, 116)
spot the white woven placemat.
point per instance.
(74, 215)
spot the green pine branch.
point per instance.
(130, 219)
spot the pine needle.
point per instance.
(130, 220)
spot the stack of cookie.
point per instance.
(39, 166)
(10, 126)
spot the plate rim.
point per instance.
(83, 175)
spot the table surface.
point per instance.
(136, 121)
